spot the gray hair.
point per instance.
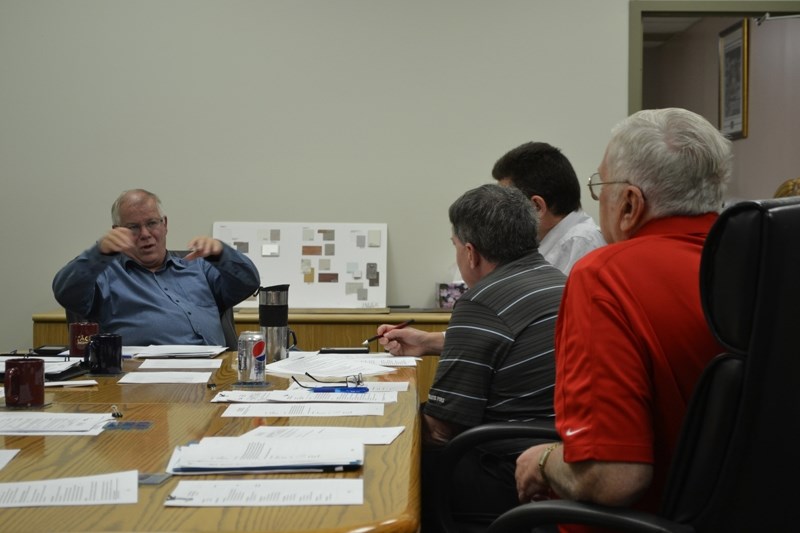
(133, 196)
(500, 222)
(679, 160)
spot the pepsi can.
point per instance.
(252, 357)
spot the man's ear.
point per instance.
(634, 210)
(539, 203)
(473, 257)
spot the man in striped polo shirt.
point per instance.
(496, 359)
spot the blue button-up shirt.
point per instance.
(180, 303)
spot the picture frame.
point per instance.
(733, 80)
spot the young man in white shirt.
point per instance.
(545, 175)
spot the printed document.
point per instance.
(104, 489)
(267, 493)
(165, 377)
(377, 435)
(37, 423)
(303, 409)
(181, 364)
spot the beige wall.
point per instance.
(685, 73)
(301, 110)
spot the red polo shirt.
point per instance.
(631, 342)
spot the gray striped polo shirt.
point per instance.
(498, 358)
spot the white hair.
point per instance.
(677, 158)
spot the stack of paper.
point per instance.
(326, 366)
(227, 455)
(178, 350)
(52, 364)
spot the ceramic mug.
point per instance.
(80, 333)
(104, 354)
(24, 382)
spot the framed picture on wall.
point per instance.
(733, 55)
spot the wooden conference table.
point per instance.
(314, 331)
(181, 413)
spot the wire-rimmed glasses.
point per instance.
(150, 226)
(594, 181)
(349, 382)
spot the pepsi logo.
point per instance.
(260, 350)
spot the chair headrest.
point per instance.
(738, 272)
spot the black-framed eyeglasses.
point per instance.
(349, 381)
(594, 181)
(150, 226)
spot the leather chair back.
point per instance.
(736, 467)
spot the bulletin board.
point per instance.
(326, 265)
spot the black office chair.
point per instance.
(225, 316)
(735, 468)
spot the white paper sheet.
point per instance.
(161, 364)
(379, 359)
(303, 395)
(267, 493)
(303, 409)
(165, 377)
(6, 456)
(377, 435)
(36, 423)
(105, 489)
(71, 383)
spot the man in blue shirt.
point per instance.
(131, 285)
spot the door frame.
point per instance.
(685, 8)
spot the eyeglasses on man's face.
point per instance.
(594, 181)
(151, 226)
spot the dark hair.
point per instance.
(500, 222)
(537, 168)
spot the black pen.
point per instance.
(401, 325)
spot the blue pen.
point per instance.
(340, 389)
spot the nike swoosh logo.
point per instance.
(571, 432)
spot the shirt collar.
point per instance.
(684, 224)
(171, 261)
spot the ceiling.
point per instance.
(658, 30)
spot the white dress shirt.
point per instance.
(569, 240)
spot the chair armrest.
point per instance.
(529, 515)
(538, 429)
(454, 450)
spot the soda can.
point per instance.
(252, 357)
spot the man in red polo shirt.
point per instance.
(631, 337)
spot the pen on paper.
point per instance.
(340, 389)
(401, 325)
